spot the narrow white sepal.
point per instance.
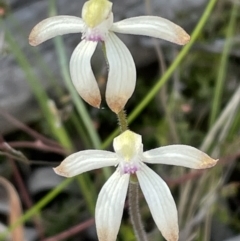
(82, 74)
(179, 155)
(54, 26)
(109, 207)
(84, 161)
(160, 202)
(154, 27)
(122, 73)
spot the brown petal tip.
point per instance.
(59, 171)
(183, 37)
(116, 105)
(32, 39)
(207, 162)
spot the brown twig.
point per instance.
(72, 231)
(28, 130)
(39, 145)
(10, 152)
(184, 178)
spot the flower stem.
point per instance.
(134, 211)
(122, 120)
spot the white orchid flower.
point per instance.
(129, 159)
(96, 25)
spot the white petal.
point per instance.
(82, 74)
(122, 73)
(84, 161)
(160, 202)
(179, 155)
(109, 207)
(154, 27)
(54, 26)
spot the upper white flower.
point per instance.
(129, 159)
(97, 25)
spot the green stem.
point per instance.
(223, 65)
(85, 185)
(81, 131)
(122, 119)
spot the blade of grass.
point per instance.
(223, 65)
(209, 180)
(231, 106)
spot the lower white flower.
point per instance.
(129, 159)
